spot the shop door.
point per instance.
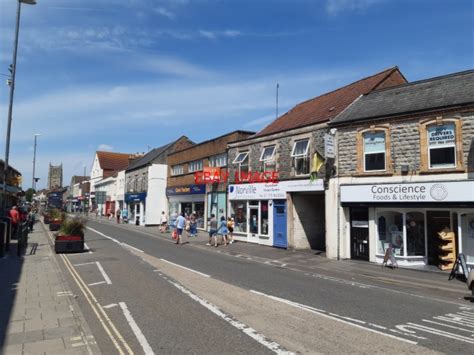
(253, 223)
(360, 233)
(280, 239)
(436, 222)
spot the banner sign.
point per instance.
(452, 191)
(269, 191)
(130, 197)
(441, 135)
(186, 190)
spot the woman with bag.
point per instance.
(222, 230)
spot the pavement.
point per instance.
(38, 311)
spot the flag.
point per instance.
(316, 164)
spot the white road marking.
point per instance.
(89, 251)
(433, 331)
(129, 246)
(447, 326)
(136, 330)
(82, 264)
(96, 283)
(63, 293)
(75, 345)
(260, 338)
(184, 267)
(111, 305)
(104, 275)
(378, 326)
(323, 314)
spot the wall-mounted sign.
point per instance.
(329, 146)
(269, 191)
(221, 175)
(445, 191)
(135, 197)
(186, 190)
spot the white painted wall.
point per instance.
(156, 201)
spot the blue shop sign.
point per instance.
(140, 196)
(186, 190)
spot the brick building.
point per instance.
(405, 173)
(188, 195)
(291, 213)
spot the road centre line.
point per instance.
(122, 244)
(184, 267)
(104, 275)
(136, 330)
(260, 338)
(324, 314)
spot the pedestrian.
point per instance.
(180, 225)
(118, 214)
(15, 217)
(188, 225)
(125, 215)
(222, 230)
(230, 227)
(31, 219)
(163, 222)
(212, 229)
(193, 225)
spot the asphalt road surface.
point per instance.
(143, 294)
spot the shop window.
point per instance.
(239, 213)
(441, 144)
(253, 219)
(415, 227)
(195, 166)
(467, 234)
(219, 160)
(301, 157)
(390, 231)
(264, 217)
(242, 160)
(177, 170)
(374, 151)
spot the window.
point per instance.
(195, 166)
(374, 151)
(415, 226)
(177, 170)
(219, 160)
(390, 231)
(441, 146)
(301, 157)
(242, 160)
(267, 153)
(239, 213)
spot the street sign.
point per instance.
(329, 146)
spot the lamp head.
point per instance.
(28, 2)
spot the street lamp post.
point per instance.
(33, 185)
(10, 105)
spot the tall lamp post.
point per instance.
(33, 185)
(10, 105)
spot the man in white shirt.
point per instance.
(180, 224)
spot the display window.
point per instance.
(467, 240)
(390, 231)
(415, 229)
(264, 217)
(239, 213)
(199, 211)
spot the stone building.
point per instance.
(189, 190)
(145, 183)
(55, 176)
(13, 185)
(405, 174)
(291, 213)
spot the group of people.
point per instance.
(188, 224)
(21, 215)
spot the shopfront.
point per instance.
(187, 199)
(412, 219)
(136, 206)
(260, 210)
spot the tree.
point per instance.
(29, 194)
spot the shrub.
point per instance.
(73, 226)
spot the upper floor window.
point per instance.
(301, 157)
(267, 158)
(177, 170)
(242, 160)
(217, 161)
(194, 166)
(441, 146)
(374, 151)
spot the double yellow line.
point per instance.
(117, 339)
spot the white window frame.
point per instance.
(177, 169)
(384, 151)
(271, 156)
(218, 160)
(195, 165)
(452, 145)
(300, 156)
(243, 156)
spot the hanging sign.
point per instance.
(441, 135)
(329, 146)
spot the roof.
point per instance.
(434, 93)
(113, 161)
(327, 106)
(2, 162)
(78, 179)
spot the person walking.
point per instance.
(230, 227)
(118, 214)
(222, 230)
(180, 225)
(163, 222)
(193, 225)
(212, 230)
(15, 217)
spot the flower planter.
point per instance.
(69, 244)
(54, 225)
(47, 219)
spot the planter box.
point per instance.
(47, 219)
(54, 226)
(69, 244)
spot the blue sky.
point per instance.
(127, 74)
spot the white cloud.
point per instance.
(169, 65)
(334, 7)
(164, 12)
(105, 147)
(215, 34)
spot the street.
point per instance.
(141, 293)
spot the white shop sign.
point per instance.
(455, 191)
(270, 191)
(329, 146)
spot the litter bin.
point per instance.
(137, 220)
(3, 235)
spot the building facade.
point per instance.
(290, 213)
(189, 190)
(55, 176)
(405, 182)
(13, 185)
